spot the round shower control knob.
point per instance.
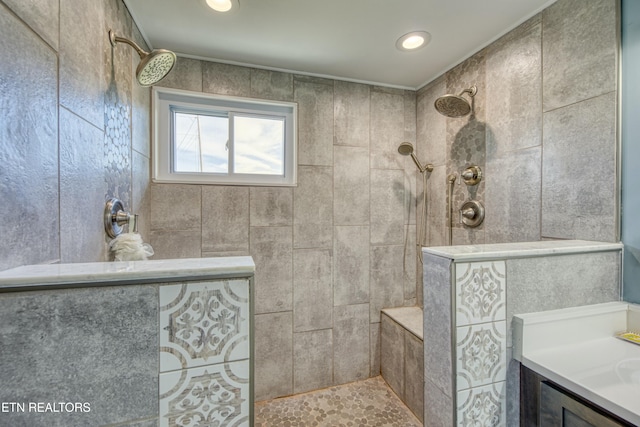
(472, 213)
(472, 175)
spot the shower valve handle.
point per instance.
(468, 213)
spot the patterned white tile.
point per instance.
(215, 395)
(480, 292)
(481, 354)
(203, 323)
(483, 406)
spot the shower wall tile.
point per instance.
(387, 195)
(274, 85)
(189, 323)
(270, 206)
(437, 226)
(225, 79)
(431, 126)
(351, 343)
(411, 263)
(226, 403)
(140, 108)
(312, 290)
(467, 236)
(117, 143)
(481, 354)
(169, 244)
(350, 265)
(117, 60)
(480, 292)
(483, 405)
(437, 330)
(313, 208)
(187, 74)
(579, 48)
(392, 356)
(387, 128)
(41, 15)
(551, 283)
(141, 192)
(514, 90)
(438, 407)
(112, 327)
(351, 185)
(351, 109)
(274, 355)
(29, 148)
(312, 356)
(315, 123)
(272, 252)
(414, 374)
(513, 205)
(410, 101)
(82, 190)
(374, 342)
(386, 282)
(176, 207)
(83, 43)
(225, 218)
(579, 138)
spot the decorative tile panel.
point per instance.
(216, 395)
(483, 406)
(480, 292)
(481, 354)
(203, 323)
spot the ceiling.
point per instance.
(344, 39)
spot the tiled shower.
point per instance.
(335, 250)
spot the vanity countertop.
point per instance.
(576, 349)
(41, 276)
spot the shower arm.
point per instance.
(115, 39)
(426, 168)
(471, 91)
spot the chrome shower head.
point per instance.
(455, 105)
(406, 149)
(153, 66)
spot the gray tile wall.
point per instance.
(330, 252)
(76, 130)
(545, 112)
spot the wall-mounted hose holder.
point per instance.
(115, 218)
(472, 175)
(472, 213)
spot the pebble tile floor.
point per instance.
(364, 403)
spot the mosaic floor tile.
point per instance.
(364, 403)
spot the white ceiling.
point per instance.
(343, 39)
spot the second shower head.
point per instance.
(406, 149)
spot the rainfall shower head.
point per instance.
(455, 105)
(153, 66)
(406, 149)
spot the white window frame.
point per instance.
(165, 100)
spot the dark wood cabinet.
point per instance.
(546, 404)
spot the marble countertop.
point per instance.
(31, 277)
(576, 349)
(520, 250)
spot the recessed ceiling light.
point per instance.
(220, 5)
(413, 40)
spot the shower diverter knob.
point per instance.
(472, 213)
(472, 175)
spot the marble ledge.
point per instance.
(410, 318)
(35, 277)
(468, 253)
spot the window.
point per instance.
(201, 138)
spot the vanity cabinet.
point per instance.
(546, 404)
